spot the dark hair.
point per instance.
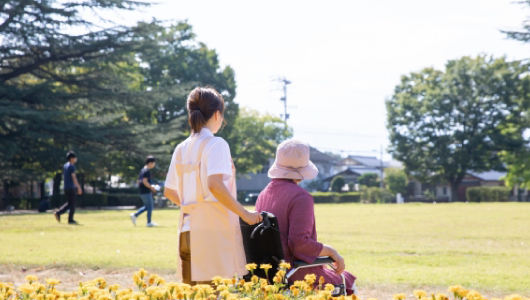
(202, 104)
(150, 159)
(70, 154)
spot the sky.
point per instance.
(343, 58)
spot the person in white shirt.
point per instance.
(201, 180)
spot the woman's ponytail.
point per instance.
(202, 104)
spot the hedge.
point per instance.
(102, 199)
(374, 195)
(327, 197)
(129, 190)
(488, 194)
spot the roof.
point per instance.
(364, 170)
(489, 175)
(355, 171)
(318, 156)
(367, 161)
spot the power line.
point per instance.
(284, 98)
(340, 134)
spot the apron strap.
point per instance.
(198, 186)
(184, 166)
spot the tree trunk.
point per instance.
(6, 194)
(42, 190)
(454, 191)
(57, 184)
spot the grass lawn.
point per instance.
(481, 246)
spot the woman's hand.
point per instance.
(340, 266)
(252, 217)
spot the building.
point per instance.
(442, 191)
(253, 183)
(354, 166)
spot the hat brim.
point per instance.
(307, 173)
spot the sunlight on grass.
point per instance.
(475, 245)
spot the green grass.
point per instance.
(482, 246)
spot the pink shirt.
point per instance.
(294, 209)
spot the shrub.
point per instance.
(97, 200)
(337, 183)
(327, 197)
(374, 195)
(488, 194)
(396, 180)
(369, 179)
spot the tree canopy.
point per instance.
(112, 93)
(443, 124)
(369, 179)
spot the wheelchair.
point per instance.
(263, 245)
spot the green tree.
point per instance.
(337, 183)
(518, 162)
(369, 179)
(65, 83)
(253, 139)
(396, 180)
(443, 124)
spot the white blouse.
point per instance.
(216, 159)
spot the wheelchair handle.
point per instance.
(264, 225)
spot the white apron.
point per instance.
(216, 243)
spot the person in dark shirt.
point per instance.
(146, 191)
(71, 189)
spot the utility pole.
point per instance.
(381, 181)
(284, 98)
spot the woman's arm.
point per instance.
(221, 193)
(172, 195)
(340, 265)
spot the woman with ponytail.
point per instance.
(201, 180)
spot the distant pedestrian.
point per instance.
(146, 191)
(72, 188)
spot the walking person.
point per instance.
(201, 180)
(146, 191)
(72, 188)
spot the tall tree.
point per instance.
(443, 124)
(253, 139)
(518, 162)
(65, 83)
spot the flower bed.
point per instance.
(153, 287)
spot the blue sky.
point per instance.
(344, 58)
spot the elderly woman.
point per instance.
(294, 209)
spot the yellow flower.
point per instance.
(265, 267)
(52, 281)
(251, 267)
(399, 297)
(277, 279)
(279, 297)
(152, 279)
(440, 296)
(310, 278)
(31, 278)
(420, 294)
(463, 293)
(26, 288)
(217, 280)
(285, 265)
(227, 281)
(222, 288)
(255, 279)
(329, 287)
(454, 288)
(224, 294)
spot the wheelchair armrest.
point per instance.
(323, 260)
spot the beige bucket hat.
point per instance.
(292, 162)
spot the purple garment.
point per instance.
(294, 209)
